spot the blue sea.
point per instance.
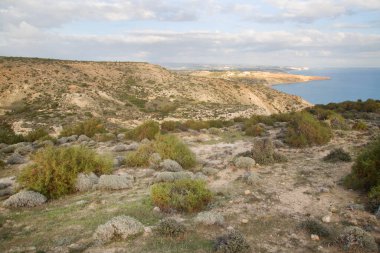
(345, 84)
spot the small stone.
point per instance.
(326, 219)
(83, 137)
(147, 231)
(333, 209)
(15, 159)
(156, 209)
(244, 221)
(247, 192)
(230, 228)
(314, 237)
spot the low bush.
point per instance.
(316, 227)
(88, 127)
(337, 121)
(337, 155)
(8, 136)
(196, 124)
(185, 195)
(37, 134)
(168, 147)
(170, 228)
(254, 130)
(55, 169)
(170, 126)
(365, 173)
(146, 130)
(304, 130)
(263, 152)
(232, 242)
(360, 126)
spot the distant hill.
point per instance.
(57, 91)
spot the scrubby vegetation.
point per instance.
(254, 130)
(304, 130)
(37, 134)
(185, 195)
(7, 135)
(55, 170)
(313, 226)
(168, 147)
(88, 127)
(365, 173)
(232, 242)
(171, 126)
(170, 228)
(146, 130)
(360, 126)
(337, 155)
(263, 152)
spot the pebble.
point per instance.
(247, 192)
(244, 221)
(326, 219)
(314, 237)
(156, 209)
(230, 228)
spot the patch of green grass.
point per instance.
(360, 126)
(55, 169)
(7, 135)
(36, 134)
(185, 195)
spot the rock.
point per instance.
(170, 165)
(156, 209)
(124, 147)
(114, 182)
(323, 190)
(314, 237)
(200, 176)
(120, 226)
(9, 149)
(183, 175)
(6, 192)
(244, 162)
(4, 185)
(24, 150)
(118, 161)
(244, 221)
(16, 159)
(62, 140)
(326, 219)
(354, 237)
(25, 199)
(86, 182)
(169, 176)
(278, 144)
(83, 137)
(72, 138)
(147, 230)
(230, 228)
(209, 218)
(145, 141)
(209, 171)
(247, 192)
(155, 160)
(120, 137)
(358, 207)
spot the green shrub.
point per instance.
(232, 242)
(196, 124)
(254, 130)
(146, 130)
(170, 228)
(168, 146)
(360, 126)
(337, 155)
(36, 134)
(304, 130)
(337, 121)
(88, 127)
(8, 136)
(55, 170)
(170, 126)
(365, 174)
(263, 152)
(316, 227)
(182, 195)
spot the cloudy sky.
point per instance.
(315, 33)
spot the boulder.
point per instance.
(16, 159)
(83, 137)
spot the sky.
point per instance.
(313, 33)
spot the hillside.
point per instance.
(53, 90)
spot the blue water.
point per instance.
(345, 84)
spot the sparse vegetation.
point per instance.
(185, 195)
(304, 130)
(263, 152)
(337, 155)
(360, 126)
(168, 147)
(170, 228)
(7, 135)
(37, 134)
(55, 170)
(232, 242)
(146, 130)
(254, 130)
(365, 174)
(88, 127)
(313, 226)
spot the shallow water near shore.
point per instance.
(345, 84)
